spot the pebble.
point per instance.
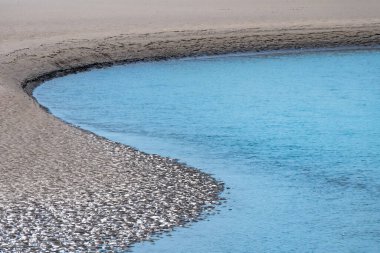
(148, 194)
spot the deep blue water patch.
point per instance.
(295, 137)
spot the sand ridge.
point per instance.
(63, 188)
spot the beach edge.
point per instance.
(23, 70)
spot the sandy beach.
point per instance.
(63, 188)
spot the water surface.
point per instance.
(295, 137)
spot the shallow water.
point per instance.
(295, 137)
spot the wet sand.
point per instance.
(65, 188)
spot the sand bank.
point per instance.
(65, 188)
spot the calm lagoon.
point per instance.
(295, 137)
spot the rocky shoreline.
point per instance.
(67, 189)
(139, 195)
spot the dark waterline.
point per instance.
(295, 137)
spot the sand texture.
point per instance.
(63, 188)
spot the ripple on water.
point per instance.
(295, 137)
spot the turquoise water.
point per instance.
(295, 138)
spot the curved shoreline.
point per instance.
(67, 188)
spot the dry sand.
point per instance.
(65, 188)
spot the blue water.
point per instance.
(295, 138)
